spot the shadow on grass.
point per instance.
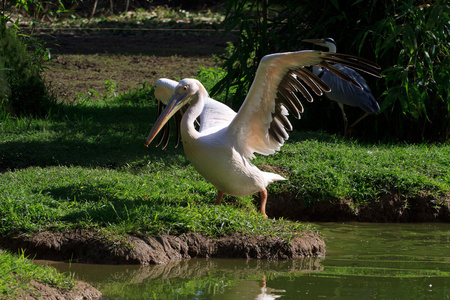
(98, 204)
(88, 136)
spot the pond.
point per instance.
(363, 261)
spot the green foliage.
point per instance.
(23, 90)
(27, 91)
(209, 77)
(413, 42)
(409, 40)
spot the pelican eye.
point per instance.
(185, 87)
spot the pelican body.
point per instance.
(222, 148)
(342, 91)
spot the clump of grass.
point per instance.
(16, 272)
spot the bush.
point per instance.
(412, 41)
(24, 89)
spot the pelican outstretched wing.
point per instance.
(261, 123)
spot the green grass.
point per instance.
(86, 166)
(157, 17)
(16, 272)
(166, 200)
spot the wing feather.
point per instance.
(164, 89)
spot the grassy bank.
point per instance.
(17, 272)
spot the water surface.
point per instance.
(363, 261)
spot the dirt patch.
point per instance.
(390, 207)
(92, 247)
(82, 290)
(82, 62)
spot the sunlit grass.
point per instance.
(168, 199)
(324, 167)
(87, 167)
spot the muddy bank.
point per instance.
(93, 247)
(389, 207)
(41, 291)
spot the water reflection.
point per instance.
(195, 278)
(363, 261)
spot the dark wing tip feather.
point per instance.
(339, 74)
(295, 81)
(309, 81)
(274, 135)
(354, 62)
(315, 79)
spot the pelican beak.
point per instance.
(177, 102)
(315, 41)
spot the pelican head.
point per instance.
(185, 92)
(326, 42)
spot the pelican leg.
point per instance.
(219, 197)
(344, 116)
(263, 195)
(359, 120)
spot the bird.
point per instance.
(220, 143)
(342, 91)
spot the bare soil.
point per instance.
(82, 62)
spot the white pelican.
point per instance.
(342, 91)
(221, 149)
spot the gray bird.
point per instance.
(343, 92)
